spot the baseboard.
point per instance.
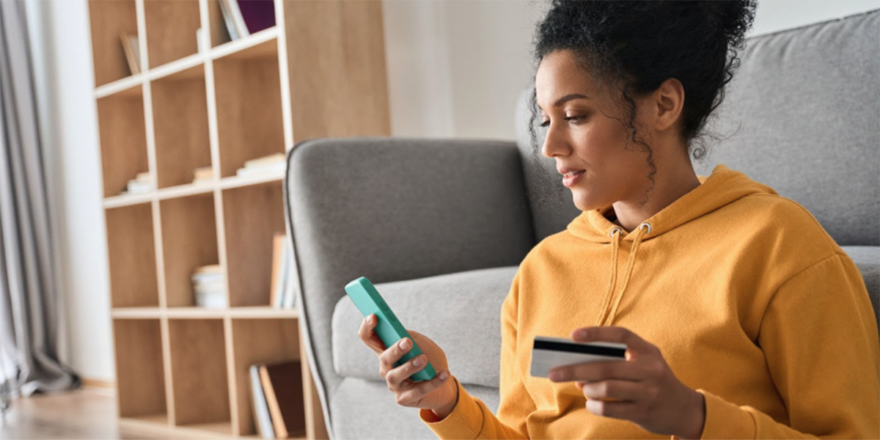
(98, 383)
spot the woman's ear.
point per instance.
(669, 102)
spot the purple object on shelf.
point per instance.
(257, 14)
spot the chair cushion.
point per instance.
(435, 307)
(365, 409)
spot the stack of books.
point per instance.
(203, 174)
(261, 166)
(277, 397)
(283, 283)
(245, 17)
(209, 286)
(139, 185)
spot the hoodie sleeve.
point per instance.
(819, 336)
(471, 418)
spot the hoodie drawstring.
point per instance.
(630, 262)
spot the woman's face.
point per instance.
(590, 147)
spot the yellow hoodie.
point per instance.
(750, 301)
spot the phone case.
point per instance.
(388, 328)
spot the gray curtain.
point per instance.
(28, 290)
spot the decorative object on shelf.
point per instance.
(282, 295)
(261, 409)
(258, 14)
(245, 17)
(261, 166)
(132, 55)
(209, 286)
(203, 174)
(283, 390)
(139, 185)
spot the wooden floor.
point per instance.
(82, 414)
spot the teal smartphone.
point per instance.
(388, 328)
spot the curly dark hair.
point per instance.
(633, 46)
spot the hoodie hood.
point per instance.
(722, 187)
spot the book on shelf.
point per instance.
(209, 287)
(283, 391)
(203, 174)
(282, 293)
(262, 418)
(132, 55)
(245, 17)
(263, 166)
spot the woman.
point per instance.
(742, 317)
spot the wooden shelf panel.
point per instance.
(198, 369)
(252, 216)
(108, 20)
(180, 121)
(248, 95)
(123, 140)
(189, 240)
(140, 378)
(132, 256)
(171, 30)
(259, 341)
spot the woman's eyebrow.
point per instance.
(566, 98)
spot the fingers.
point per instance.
(391, 355)
(414, 394)
(598, 371)
(366, 334)
(397, 376)
(634, 343)
(612, 390)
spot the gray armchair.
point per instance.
(441, 225)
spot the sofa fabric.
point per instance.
(450, 309)
(802, 118)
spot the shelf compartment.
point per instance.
(132, 256)
(140, 377)
(252, 215)
(108, 21)
(248, 95)
(189, 240)
(171, 30)
(180, 119)
(260, 341)
(198, 372)
(123, 139)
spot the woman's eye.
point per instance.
(574, 118)
(545, 123)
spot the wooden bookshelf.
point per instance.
(320, 72)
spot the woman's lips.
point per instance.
(571, 179)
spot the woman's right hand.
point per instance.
(439, 394)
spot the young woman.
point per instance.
(742, 317)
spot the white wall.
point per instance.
(455, 68)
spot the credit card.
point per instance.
(549, 353)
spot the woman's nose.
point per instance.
(554, 144)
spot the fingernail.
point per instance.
(555, 375)
(582, 334)
(419, 361)
(404, 344)
(444, 374)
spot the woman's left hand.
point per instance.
(647, 393)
